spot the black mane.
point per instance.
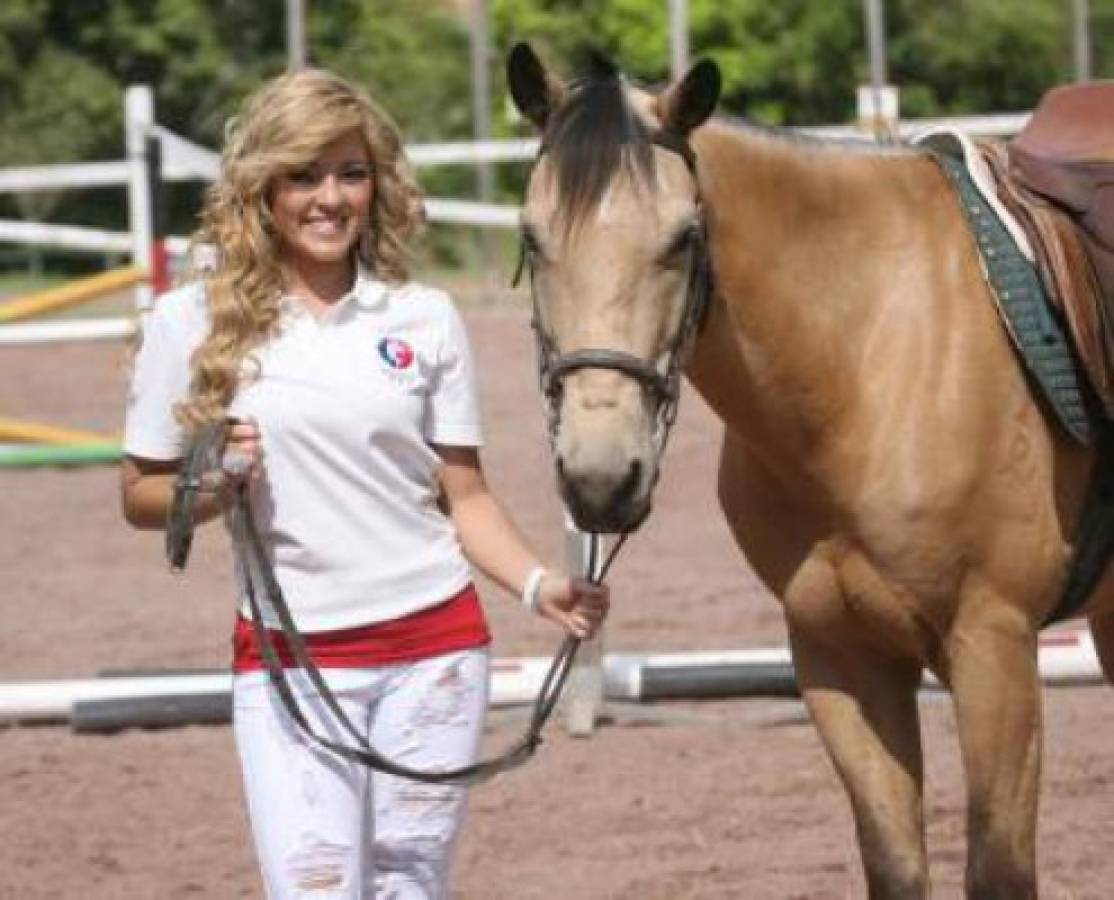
(592, 136)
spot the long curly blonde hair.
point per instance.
(284, 126)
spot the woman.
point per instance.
(356, 431)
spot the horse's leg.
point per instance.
(991, 665)
(864, 705)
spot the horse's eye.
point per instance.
(676, 252)
(531, 246)
(529, 254)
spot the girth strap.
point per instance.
(1041, 340)
(1048, 357)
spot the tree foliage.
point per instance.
(800, 61)
(64, 65)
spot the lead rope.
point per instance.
(363, 752)
(554, 681)
(254, 563)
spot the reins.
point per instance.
(203, 456)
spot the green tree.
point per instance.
(64, 65)
(978, 56)
(800, 61)
(791, 61)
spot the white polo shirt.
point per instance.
(348, 406)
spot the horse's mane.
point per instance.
(593, 135)
(816, 143)
(596, 133)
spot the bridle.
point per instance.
(661, 382)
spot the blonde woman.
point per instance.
(356, 431)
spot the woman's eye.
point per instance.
(356, 174)
(301, 177)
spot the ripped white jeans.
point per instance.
(328, 829)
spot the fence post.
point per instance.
(160, 258)
(139, 116)
(584, 699)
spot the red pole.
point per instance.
(160, 266)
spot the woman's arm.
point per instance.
(147, 485)
(496, 547)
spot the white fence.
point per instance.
(182, 160)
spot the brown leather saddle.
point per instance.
(1057, 178)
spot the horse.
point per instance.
(886, 468)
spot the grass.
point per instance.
(15, 284)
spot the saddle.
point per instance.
(1057, 179)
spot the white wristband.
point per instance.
(532, 587)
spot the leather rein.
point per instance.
(203, 455)
(662, 383)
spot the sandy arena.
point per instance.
(724, 800)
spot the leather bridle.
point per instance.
(660, 378)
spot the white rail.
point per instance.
(56, 332)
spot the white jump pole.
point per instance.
(585, 690)
(139, 119)
(1066, 657)
(513, 683)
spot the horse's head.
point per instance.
(613, 237)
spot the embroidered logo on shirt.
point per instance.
(396, 353)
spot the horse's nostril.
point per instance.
(629, 485)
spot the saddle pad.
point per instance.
(958, 145)
(1025, 307)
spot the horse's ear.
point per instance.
(688, 103)
(534, 91)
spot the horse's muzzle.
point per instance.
(606, 502)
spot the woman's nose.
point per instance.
(328, 192)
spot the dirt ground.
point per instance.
(720, 800)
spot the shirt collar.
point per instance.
(367, 291)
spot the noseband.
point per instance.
(661, 382)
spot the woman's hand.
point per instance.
(575, 604)
(493, 544)
(242, 458)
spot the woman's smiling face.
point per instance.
(320, 211)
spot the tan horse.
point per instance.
(885, 466)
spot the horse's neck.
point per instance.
(799, 241)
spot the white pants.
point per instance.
(329, 829)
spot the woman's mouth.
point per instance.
(326, 228)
